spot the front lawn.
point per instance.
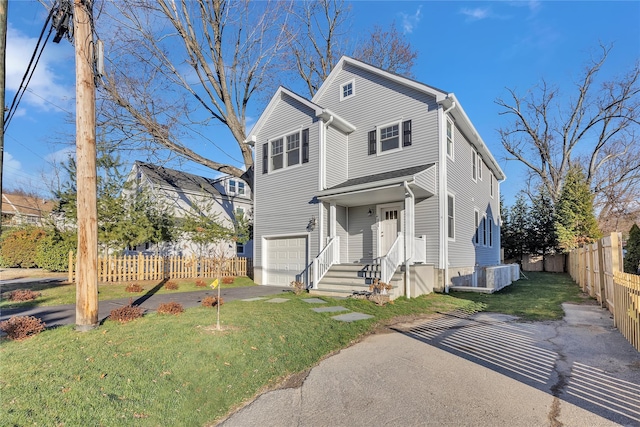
(178, 370)
(64, 293)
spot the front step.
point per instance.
(343, 280)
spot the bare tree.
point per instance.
(318, 38)
(179, 66)
(389, 50)
(596, 128)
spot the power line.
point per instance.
(31, 68)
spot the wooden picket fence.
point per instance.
(146, 267)
(597, 269)
(626, 289)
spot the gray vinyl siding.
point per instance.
(362, 235)
(342, 216)
(337, 158)
(426, 223)
(284, 202)
(378, 102)
(469, 196)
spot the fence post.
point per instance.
(616, 251)
(601, 267)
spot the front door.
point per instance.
(389, 227)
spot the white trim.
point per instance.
(476, 227)
(491, 184)
(353, 89)
(480, 167)
(379, 151)
(453, 196)
(298, 130)
(474, 164)
(448, 121)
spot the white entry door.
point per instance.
(389, 227)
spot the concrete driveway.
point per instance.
(459, 370)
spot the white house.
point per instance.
(376, 176)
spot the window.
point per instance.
(387, 138)
(450, 139)
(347, 90)
(286, 151)
(491, 183)
(474, 165)
(293, 149)
(276, 155)
(479, 167)
(476, 223)
(450, 217)
(236, 187)
(239, 211)
(239, 248)
(483, 230)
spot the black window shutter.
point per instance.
(406, 133)
(305, 145)
(265, 158)
(372, 142)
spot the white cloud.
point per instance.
(10, 166)
(61, 156)
(410, 22)
(48, 81)
(477, 13)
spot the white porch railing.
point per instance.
(390, 262)
(329, 256)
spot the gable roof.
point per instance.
(318, 111)
(446, 99)
(19, 204)
(183, 181)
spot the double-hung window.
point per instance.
(390, 137)
(474, 165)
(476, 223)
(293, 149)
(277, 156)
(451, 217)
(479, 167)
(236, 187)
(491, 183)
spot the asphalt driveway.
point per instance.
(458, 370)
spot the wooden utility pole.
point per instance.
(4, 4)
(87, 261)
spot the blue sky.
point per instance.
(474, 49)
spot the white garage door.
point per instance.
(286, 260)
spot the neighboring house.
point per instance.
(374, 167)
(18, 209)
(181, 193)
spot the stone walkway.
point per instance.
(352, 316)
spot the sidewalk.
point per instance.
(66, 314)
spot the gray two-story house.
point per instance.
(376, 176)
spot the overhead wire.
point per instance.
(29, 72)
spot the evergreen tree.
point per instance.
(576, 223)
(632, 259)
(515, 228)
(542, 239)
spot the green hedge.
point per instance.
(18, 248)
(53, 250)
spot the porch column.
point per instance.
(332, 220)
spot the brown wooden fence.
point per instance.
(597, 269)
(145, 267)
(626, 290)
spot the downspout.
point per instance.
(444, 196)
(407, 264)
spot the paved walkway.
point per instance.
(459, 370)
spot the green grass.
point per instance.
(177, 370)
(60, 294)
(539, 297)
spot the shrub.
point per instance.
(201, 283)
(228, 280)
(127, 313)
(18, 248)
(134, 288)
(21, 327)
(53, 250)
(23, 295)
(171, 285)
(170, 308)
(211, 301)
(298, 287)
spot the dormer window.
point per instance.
(347, 90)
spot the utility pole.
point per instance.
(4, 4)
(87, 262)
